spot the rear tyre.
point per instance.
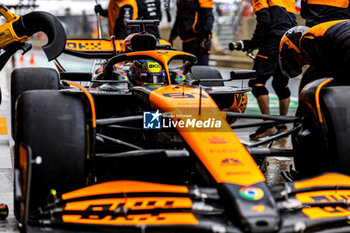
(53, 125)
(25, 79)
(316, 154)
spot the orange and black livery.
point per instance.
(112, 154)
(326, 46)
(321, 11)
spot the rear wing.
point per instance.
(100, 48)
(93, 48)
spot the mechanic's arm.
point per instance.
(261, 9)
(206, 16)
(175, 30)
(101, 11)
(141, 9)
(126, 13)
(159, 10)
(304, 9)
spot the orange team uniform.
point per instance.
(118, 12)
(320, 11)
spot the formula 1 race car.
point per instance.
(144, 144)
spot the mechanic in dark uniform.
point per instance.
(325, 46)
(150, 9)
(118, 12)
(194, 24)
(320, 11)
(274, 18)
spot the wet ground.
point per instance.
(6, 166)
(272, 166)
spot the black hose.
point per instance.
(37, 21)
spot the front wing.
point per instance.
(313, 205)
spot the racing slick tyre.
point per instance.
(52, 124)
(316, 153)
(25, 79)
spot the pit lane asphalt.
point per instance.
(273, 168)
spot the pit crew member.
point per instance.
(194, 24)
(325, 46)
(118, 12)
(150, 9)
(320, 11)
(274, 18)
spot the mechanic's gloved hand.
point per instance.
(98, 9)
(171, 39)
(205, 46)
(248, 46)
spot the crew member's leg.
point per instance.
(265, 65)
(194, 48)
(262, 95)
(280, 85)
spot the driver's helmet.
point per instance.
(148, 72)
(291, 57)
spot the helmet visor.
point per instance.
(291, 59)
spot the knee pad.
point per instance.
(282, 93)
(259, 90)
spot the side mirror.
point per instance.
(243, 74)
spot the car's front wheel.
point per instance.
(53, 125)
(324, 146)
(26, 79)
